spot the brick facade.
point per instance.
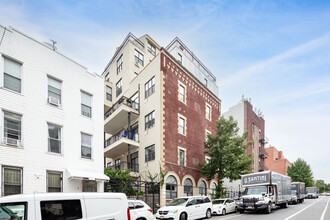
(194, 110)
(276, 161)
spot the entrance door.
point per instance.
(89, 186)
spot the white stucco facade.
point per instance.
(32, 155)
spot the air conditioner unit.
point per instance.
(11, 141)
(53, 101)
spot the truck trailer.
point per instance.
(264, 190)
(298, 191)
(312, 192)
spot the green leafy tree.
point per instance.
(227, 150)
(300, 171)
(321, 185)
(120, 181)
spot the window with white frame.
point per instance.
(86, 146)
(182, 125)
(12, 75)
(107, 77)
(151, 49)
(54, 181)
(182, 93)
(119, 64)
(149, 120)
(180, 58)
(208, 112)
(12, 127)
(109, 93)
(12, 180)
(149, 87)
(54, 90)
(138, 58)
(86, 104)
(119, 88)
(54, 138)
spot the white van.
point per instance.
(58, 206)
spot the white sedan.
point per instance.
(140, 210)
(223, 206)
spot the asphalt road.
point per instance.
(311, 209)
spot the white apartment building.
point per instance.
(51, 120)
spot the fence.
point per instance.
(149, 192)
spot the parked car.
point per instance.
(66, 206)
(224, 206)
(327, 194)
(139, 210)
(185, 208)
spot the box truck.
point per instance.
(298, 192)
(264, 190)
(312, 192)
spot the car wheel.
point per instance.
(268, 209)
(236, 209)
(208, 213)
(223, 211)
(183, 216)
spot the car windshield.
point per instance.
(217, 202)
(259, 190)
(294, 192)
(177, 202)
(12, 211)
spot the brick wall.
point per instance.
(194, 111)
(276, 161)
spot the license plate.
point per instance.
(161, 216)
(250, 207)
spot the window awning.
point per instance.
(86, 175)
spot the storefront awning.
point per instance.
(86, 175)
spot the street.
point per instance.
(311, 209)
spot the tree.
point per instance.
(300, 171)
(120, 181)
(227, 150)
(321, 185)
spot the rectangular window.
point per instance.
(138, 58)
(54, 138)
(13, 211)
(107, 77)
(61, 209)
(86, 104)
(181, 157)
(182, 93)
(119, 64)
(149, 120)
(119, 88)
(54, 181)
(12, 128)
(208, 112)
(12, 180)
(54, 91)
(150, 153)
(109, 165)
(149, 87)
(182, 126)
(117, 164)
(109, 93)
(180, 58)
(151, 49)
(86, 146)
(12, 75)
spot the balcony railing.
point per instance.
(122, 101)
(121, 134)
(263, 154)
(125, 166)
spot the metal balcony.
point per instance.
(263, 154)
(125, 166)
(117, 144)
(117, 116)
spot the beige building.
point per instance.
(159, 106)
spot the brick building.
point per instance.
(251, 120)
(163, 105)
(276, 161)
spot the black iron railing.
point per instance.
(125, 166)
(122, 101)
(121, 134)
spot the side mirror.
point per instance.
(188, 204)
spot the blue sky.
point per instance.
(275, 52)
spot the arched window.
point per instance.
(213, 187)
(188, 187)
(171, 187)
(202, 188)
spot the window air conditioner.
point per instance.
(11, 141)
(53, 101)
